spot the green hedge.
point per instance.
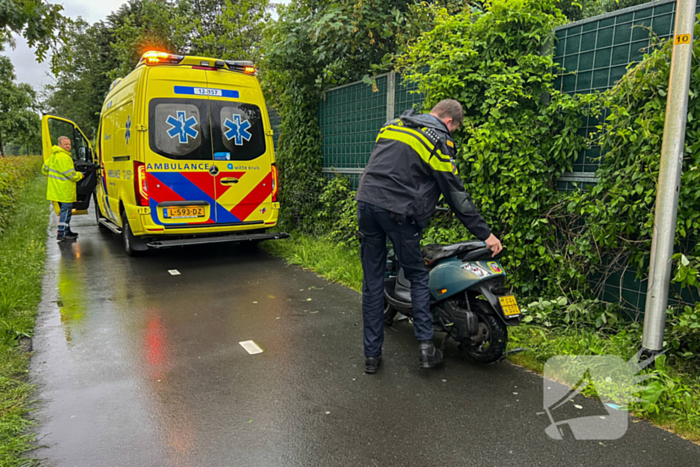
(15, 172)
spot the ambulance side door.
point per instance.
(52, 128)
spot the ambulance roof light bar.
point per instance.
(153, 57)
(246, 66)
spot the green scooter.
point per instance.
(468, 297)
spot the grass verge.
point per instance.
(22, 254)
(675, 391)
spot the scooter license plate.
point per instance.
(509, 305)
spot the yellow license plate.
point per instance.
(509, 305)
(183, 212)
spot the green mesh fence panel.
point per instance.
(406, 97)
(350, 118)
(275, 121)
(596, 52)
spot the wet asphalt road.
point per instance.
(137, 367)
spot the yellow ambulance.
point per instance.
(184, 155)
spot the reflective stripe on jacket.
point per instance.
(411, 164)
(62, 176)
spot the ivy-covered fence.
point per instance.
(595, 53)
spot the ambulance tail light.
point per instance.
(153, 57)
(275, 183)
(140, 185)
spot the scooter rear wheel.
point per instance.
(389, 313)
(490, 343)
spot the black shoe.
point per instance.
(430, 357)
(372, 364)
(71, 235)
(65, 238)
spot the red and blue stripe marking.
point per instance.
(201, 186)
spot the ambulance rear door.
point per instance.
(178, 152)
(243, 184)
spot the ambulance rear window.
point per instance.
(179, 129)
(238, 132)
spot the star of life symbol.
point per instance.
(181, 127)
(237, 129)
(127, 135)
(614, 381)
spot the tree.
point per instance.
(38, 21)
(317, 44)
(143, 25)
(83, 75)
(17, 101)
(575, 10)
(223, 28)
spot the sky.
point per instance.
(27, 69)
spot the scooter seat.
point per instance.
(435, 252)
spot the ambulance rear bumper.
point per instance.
(255, 237)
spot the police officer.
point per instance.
(411, 165)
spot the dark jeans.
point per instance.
(64, 218)
(375, 225)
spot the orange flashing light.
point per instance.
(250, 70)
(153, 57)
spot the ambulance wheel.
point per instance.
(128, 238)
(98, 214)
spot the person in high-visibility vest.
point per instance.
(62, 177)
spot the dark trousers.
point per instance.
(64, 218)
(375, 225)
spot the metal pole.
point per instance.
(669, 179)
(390, 95)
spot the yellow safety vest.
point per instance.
(62, 176)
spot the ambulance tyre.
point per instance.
(132, 245)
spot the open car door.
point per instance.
(52, 128)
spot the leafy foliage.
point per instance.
(83, 76)
(616, 216)
(38, 21)
(492, 63)
(19, 123)
(14, 174)
(575, 10)
(289, 81)
(338, 213)
(22, 255)
(312, 46)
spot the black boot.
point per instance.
(430, 357)
(372, 364)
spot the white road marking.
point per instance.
(174, 272)
(251, 347)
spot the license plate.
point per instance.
(183, 212)
(509, 305)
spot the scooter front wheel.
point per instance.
(489, 344)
